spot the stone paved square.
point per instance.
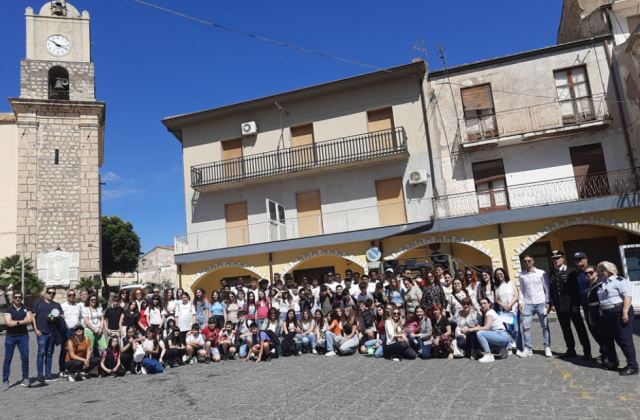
(315, 387)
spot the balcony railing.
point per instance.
(542, 193)
(298, 227)
(326, 153)
(537, 120)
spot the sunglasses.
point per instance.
(50, 292)
(528, 261)
(71, 295)
(396, 313)
(92, 300)
(590, 272)
(17, 297)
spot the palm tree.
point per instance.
(88, 283)
(11, 276)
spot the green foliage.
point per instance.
(120, 246)
(88, 283)
(11, 276)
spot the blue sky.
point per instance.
(150, 64)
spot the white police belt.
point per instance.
(611, 306)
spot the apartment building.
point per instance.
(304, 182)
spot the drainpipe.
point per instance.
(503, 253)
(179, 266)
(623, 120)
(270, 267)
(428, 135)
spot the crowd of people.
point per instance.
(426, 313)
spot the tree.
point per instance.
(88, 283)
(11, 276)
(120, 247)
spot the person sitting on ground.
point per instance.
(334, 333)
(129, 343)
(195, 345)
(210, 334)
(261, 344)
(79, 360)
(174, 349)
(423, 335)
(441, 333)
(396, 345)
(153, 349)
(110, 364)
(226, 341)
(307, 336)
(467, 317)
(491, 333)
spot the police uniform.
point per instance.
(565, 298)
(611, 296)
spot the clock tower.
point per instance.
(60, 146)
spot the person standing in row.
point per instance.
(565, 300)
(534, 292)
(72, 312)
(617, 311)
(16, 318)
(593, 316)
(47, 324)
(584, 285)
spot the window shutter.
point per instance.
(477, 98)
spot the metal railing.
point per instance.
(296, 227)
(535, 118)
(326, 153)
(543, 193)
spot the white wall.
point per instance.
(8, 188)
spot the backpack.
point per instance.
(288, 345)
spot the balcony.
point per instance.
(543, 193)
(552, 119)
(346, 151)
(296, 227)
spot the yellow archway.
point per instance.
(211, 280)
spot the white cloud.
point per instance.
(118, 192)
(116, 187)
(111, 177)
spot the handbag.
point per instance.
(138, 355)
(507, 318)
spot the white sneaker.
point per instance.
(314, 351)
(547, 352)
(331, 353)
(185, 358)
(395, 359)
(192, 361)
(143, 371)
(72, 377)
(487, 358)
(524, 353)
(513, 345)
(457, 354)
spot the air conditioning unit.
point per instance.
(418, 177)
(249, 128)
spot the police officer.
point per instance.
(615, 303)
(593, 316)
(565, 300)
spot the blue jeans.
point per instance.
(242, 351)
(350, 346)
(45, 355)
(307, 341)
(541, 310)
(371, 343)
(10, 343)
(333, 339)
(425, 350)
(496, 339)
(151, 365)
(514, 332)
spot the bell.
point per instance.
(58, 8)
(61, 84)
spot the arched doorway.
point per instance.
(598, 241)
(210, 280)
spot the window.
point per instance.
(277, 225)
(589, 170)
(236, 224)
(380, 124)
(56, 157)
(479, 113)
(58, 83)
(491, 187)
(574, 95)
(309, 213)
(302, 142)
(390, 197)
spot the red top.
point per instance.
(143, 319)
(211, 335)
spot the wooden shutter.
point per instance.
(391, 209)
(589, 170)
(237, 224)
(303, 143)
(309, 213)
(380, 122)
(490, 183)
(477, 98)
(232, 157)
(488, 170)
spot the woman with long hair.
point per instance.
(334, 333)
(231, 310)
(143, 319)
(130, 342)
(394, 292)
(155, 314)
(250, 308)
(307, 336)
(467, 317)
(441, 333)
(227, 341)
(130, 318)
(412, 295)
(321, 330)
(174, 348)
(262, 308)
(507, 306)
(152, 353)
(350, 331)
(471, 282)
(491, 333)
(424, 334)
(447, 287)
(291, 328)
(486, 287)
(201, 306)
(396, 345)
(459, 293)
(433, 293)
(110, 364)
(93, 321)
(185, 316)
(124, 298)
(217, 309)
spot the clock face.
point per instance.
(58, 45)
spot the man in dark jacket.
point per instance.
(565, 300)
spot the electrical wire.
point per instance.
(262, 38)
